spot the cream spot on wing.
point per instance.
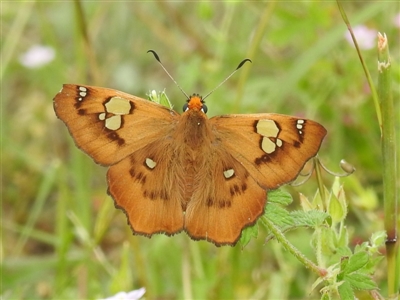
(268, 129)
(267, 145)
(113, 122)
(279, 142)
(116, 107)
(229, 173)
(150, 163)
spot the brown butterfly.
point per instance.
(171, 172)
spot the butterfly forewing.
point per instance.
(108, 124)
(273, 148)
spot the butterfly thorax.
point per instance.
(194, 135)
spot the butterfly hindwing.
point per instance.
(144, 185)
(109, 124)
(273, 148)
(226, 199)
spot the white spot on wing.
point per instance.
(229, 173)
(150, 163)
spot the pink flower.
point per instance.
(366, 38)
(396, 20)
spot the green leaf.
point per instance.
(343, 239)
(360, 281)
(327, 241)
(378, 239)
(122, 279)
(356, 262)
(247, 234)
(335, 209)
(325, 297)
(344, 251)
(311, 218)
(160, 98)
(343, 264)
(280, 197)
(345, 291)
(305, 203)
(278, 215)
(370, 267)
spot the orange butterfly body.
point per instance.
(170, 172)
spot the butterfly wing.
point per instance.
(248, 155)
(226, 199)
(128, 133)
(145, 186)
(108, 124)
(273, 148)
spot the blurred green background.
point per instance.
(62, 237)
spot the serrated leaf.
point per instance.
(345, 291)
(280, 197)
(360, 281)
(344, 251)
(356, 262)
(312, 218)
(343, 264)
(278, 215)
(370, 267)
(247, 234)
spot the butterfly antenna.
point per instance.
(162, 66)
(238, 67)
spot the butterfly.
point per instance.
(172, 172)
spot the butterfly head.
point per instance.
(196, 103)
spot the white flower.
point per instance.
(366, 38)
(132, 295)
(37, 56)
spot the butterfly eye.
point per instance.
(185, 107)
(204, 109)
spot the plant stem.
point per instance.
(367, 74)
(388, 161)
(292, 249)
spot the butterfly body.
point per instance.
(170, 172)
